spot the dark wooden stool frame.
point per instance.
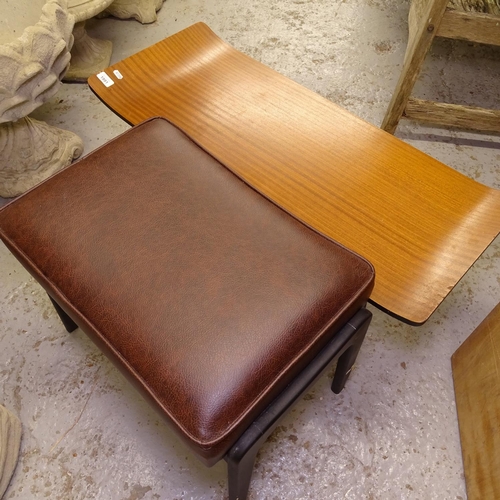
(240, 459)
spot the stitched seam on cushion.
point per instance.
(248, 408)
(104, 339)
(304, 350)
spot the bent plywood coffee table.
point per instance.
(420, 223)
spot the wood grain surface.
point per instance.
(420, 223)
(476, 375)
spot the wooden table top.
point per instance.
(420, 223)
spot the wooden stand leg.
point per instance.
(424, 19)
(68, 323)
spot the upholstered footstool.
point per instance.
(217, 304)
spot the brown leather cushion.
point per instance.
(208, 296)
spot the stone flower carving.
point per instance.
(31, 68)
(92, 55)
(143, 11)
(88, 55)
(32, 65)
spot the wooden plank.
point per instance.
(423, 21)
(470, 26)
(484, 6)
(453, 115)
(476, 375)
(419, 222)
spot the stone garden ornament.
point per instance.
(91, 55)
(36, 37)
(10, 440)
(35, 43)
(143, 11)
(88, 55)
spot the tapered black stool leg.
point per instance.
(348, 358)
(239, 474)
(68, 323)
(346, 343)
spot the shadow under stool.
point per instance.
(218, 305)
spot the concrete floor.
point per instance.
(393, 433)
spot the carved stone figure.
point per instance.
(91, 55)
(36, 37)
(142, 10)
(88, 55)
(33, 151)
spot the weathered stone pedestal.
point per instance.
(33, 150)
(91, 55)
(143, 11)
(35, 42)
(88, 55)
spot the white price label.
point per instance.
(105, 79)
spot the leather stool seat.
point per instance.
(207, 295)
